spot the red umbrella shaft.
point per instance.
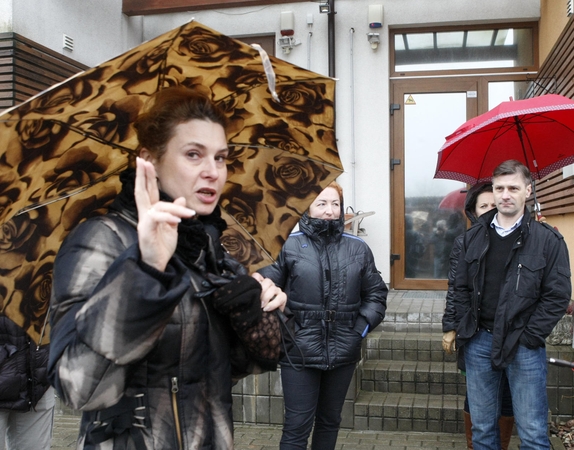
(520, 130)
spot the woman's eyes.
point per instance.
(222, 158)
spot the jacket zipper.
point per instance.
(518, 277)
(327, 304)
(174, 391)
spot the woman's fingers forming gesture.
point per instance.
(157, 221)
(272, 297)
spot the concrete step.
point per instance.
(413, 377)
(389, 411)
(406, 346)
(419, 311)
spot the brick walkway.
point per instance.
(251, 437)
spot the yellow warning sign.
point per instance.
(410, 100)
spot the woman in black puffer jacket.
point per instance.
(337, 295)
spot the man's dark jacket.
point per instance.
(534, 294)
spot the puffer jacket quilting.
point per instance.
(333, 290)
(23, 368)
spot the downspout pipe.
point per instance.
(331, 36)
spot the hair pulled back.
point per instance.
(168, 108)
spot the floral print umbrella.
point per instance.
(61, 152)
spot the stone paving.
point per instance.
(256, 437)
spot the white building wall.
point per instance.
(5, 15)
(98, 28)
(101, 32)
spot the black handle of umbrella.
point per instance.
(561, 362)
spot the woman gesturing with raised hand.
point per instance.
(151, 318)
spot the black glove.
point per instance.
(240, 299)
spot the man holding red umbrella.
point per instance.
(512, 286)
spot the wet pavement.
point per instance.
(256, 437)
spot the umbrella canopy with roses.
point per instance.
(62, 152)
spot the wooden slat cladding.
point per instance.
(554, 193)
(27, 68)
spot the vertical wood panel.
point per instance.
(556, 75)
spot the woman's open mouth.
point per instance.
(207, 195)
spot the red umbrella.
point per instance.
(453, 200)
(539, 132)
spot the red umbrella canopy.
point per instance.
(539, 132)
(453, 200)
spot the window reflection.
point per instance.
(463, 49)
(433, 207)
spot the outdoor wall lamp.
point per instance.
(375, 19)
(374, 40)
(324, 8)
(287, 41)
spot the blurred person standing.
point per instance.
(26, 397)
(512, 285)
(337, 296)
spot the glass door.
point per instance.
(428, 213)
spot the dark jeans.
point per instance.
(526, 375)
(313, 396)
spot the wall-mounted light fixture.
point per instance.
(375, 19)
(374, 40)
(324, 8)
(287, 41)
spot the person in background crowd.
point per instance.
(337, 296)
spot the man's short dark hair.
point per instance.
(511, 167)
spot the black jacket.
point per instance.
(141, 350)
(333, 289)
(534, 295)
(448, 319)
(23, 368)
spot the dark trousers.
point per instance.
(313, 397)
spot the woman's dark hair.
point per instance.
(486, 187)
(169, 108)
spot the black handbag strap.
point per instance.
(283, 320)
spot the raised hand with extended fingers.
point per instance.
(157, 220)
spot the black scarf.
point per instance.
(192, 233)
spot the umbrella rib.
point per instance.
(269, 147)
(94, 137)
(252, 86)
(68, 194)
(249, 234)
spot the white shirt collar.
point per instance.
(504, 231)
